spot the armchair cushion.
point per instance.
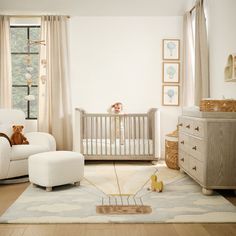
(20, 152)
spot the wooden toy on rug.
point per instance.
(156, 186)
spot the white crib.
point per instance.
(96, 137)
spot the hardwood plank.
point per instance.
(11, 230)
(40, 230)
(69, 229)
(129, 229)
(190, 230)
(220, 229)
(159, 229)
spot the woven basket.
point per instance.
(171, 154)
(218, 105)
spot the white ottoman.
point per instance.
(50, 169)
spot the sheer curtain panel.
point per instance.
(5, 63)
(55, 115)
(201, 55)
(188, 61)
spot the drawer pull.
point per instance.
(194, 168)
(194, 148)
(181, 124)
(182, 142)
(182, 159)
(197, 128)
(188, 126)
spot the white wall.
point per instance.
(222, 42)
(120, 59)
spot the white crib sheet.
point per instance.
(105, 147)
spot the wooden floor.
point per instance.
(9, 193)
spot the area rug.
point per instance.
(181, 200)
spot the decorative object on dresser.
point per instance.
(207, 150)
(230, 69)
(93, 136)
(171, 150)
(225, 105)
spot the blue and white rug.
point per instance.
(181, 201)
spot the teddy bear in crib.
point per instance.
(156, 186)
(117, 122)
(17, 136)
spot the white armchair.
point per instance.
(14, 160)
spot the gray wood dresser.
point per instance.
(207, 148)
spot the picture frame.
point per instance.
(170, 72)
(171, 49)
(170, 95)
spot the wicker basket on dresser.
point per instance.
(207, 149)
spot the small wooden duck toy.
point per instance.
(156, 186)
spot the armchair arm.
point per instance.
(40, 138)
(5, 156)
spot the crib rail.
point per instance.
(116, 137)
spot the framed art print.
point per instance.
(170, 95)
(170, 72)
(170, 49)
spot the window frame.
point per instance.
(28, 117)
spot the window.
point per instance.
(25, 69)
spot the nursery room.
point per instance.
(117, 117)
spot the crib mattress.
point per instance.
(106, 147)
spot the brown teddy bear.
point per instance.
(17, 136)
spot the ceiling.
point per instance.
(97, 7)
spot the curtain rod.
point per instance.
(26, 16)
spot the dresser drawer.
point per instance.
(183, 160)
(198, 128)
(183, 142)
(185, 125)
(196, 147)
(191, 126)
(196, 168)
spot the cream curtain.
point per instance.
(54, 114)
(201, 55)
(188, 61)
(5, 63)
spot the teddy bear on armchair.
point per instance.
(17, 136)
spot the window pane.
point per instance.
(19, 69)
(35, 66)
(34, 103)
(19, 40)
(34, 35)
(18, 99)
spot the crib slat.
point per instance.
(105, 135)
(124, 120)
(143, 135)
(91, 138)
(115, 134)
(101, 134)
(139, 134)
(134, 137)
(86, 132)
(119, 134)
(148, 135)
(96, 135)
(110, 135)
(129, 135)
